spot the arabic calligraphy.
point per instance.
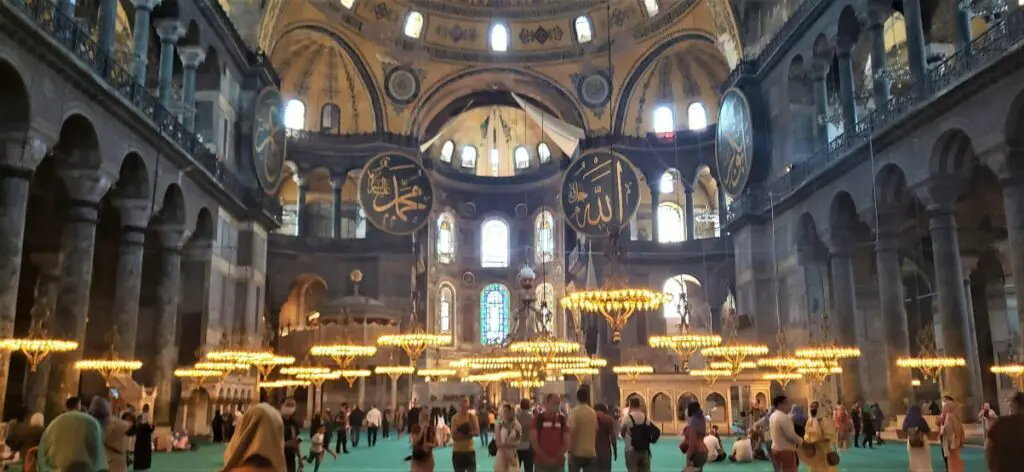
(735, 142)
(268, 139)
(396, 194)
(600, 194)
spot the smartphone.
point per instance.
(114, 393)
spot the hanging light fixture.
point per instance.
(38, 344)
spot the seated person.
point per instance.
(742, 451)
(714, 447)
(180, 442)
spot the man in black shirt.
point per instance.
(413, 417)
(855, 417)
(355, 423)
(291, 435)
(340, 424)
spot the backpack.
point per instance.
(642, 435)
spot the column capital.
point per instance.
(939, 194)
(171, 236)
(135, 212)
(191, 56)
(877, 15)
(23, 150)
(1001, 160)
(147, 5)
(968, 262)
(337, 182)
(86, 185)
(169, 31)
(818, 69)
(303, 181)
(844, 46)
(49, 263)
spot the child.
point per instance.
(316, 449)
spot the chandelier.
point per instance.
(394, 371)
(930, 363)
(633, 371)
(37, 345)
(288, 385)
(526, 384)
(711, 375)
(317, 379)
(1014, 371)
(300, 370)
(821, 373)
(224, 367)
(200, 375)
(685, 344)
(437, 375)
(111, 366)
(350, 375)
(783, 366)
(829, 352)
(783, 378)
(581, 373)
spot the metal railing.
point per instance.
(1002, 37)
(757, 58)
(77, 40)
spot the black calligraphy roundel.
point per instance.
(734, 145)
(600, 193)
(268, 139)
(396, 194)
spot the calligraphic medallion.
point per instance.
(396, 194)
(600, 193)
(268, 139)
(734, 144)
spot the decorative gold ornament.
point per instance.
(685, 345)
(239, 356)
(526, 383)
(724, 365)
(1014, 371)
(736, 356)
(37, 348)
(783, 378)
(821, 373)
(931, 366)
(343, 354)
(266, 365)
(350, 375)
(544, 347)
(615, 305)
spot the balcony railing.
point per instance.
(77, 40)
(1002, 37)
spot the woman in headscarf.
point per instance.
(258, 443)
(72, 443)
(217, 425)
(692, 443)
(507, 437)
(799, 417)
(953, 436)
(820, 437)
(115, 434)
(917, 429)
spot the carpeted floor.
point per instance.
(388, 454)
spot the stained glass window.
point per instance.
(546, 293)
(494, 244)
(671, 228)
(445, 238)
(445, 301)
(544, 233)
(494, 306)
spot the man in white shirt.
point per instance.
(373, 418)
(742, 451)
(636, 461)
(714, 447)
(785, 441)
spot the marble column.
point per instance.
(44, 305)
(846, 316)
(723, 209)
(336, 187)
(107, 27)
(166, 314)
(1012, 180)
(969, 262)
(655, 201)
(818, 74)
(134, 219)
(169, 31)
(939, 197)
(300, 205)
(21, 153)
(67, 7)
(962, 11)
(191, 58)
(77, 244)
(847, 85)
(140, 38)
(691, 231)
(893, 312)
(916, 57)
(876, 32)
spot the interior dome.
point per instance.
(493, 141)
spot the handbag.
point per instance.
(832, 457)
(915, 438)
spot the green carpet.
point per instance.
(388, 454)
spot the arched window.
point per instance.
(544, 236)
(494, 243)
(348, 3)
(667, 184)
(675, 287)
(522, 157)
(546, 293)
(445, 308)
(330, 118)
(651, 6)
(468, 156)
(697, 116)
(670, 223)
(413, 24)
(445, 238)
(584, 33)
(295, 114)
(495, 160)
(499, 38)
(447, 150)
(494, 302)
(543, 152)
(664, 122)
(361, 224)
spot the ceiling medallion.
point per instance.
(594, 90)
(402, 85)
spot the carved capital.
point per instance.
(147, 5)
(169, 31)
(86, 185)
(939, 194)
(171, 236)
(135, 212)
(191, 56)
(968, 262)
(1007, 162)
(23, 150)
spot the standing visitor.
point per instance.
(784, 439)
(314, 423)
(952, 433)
(549, 437)
(525, 419)
(292, 431)
(820, 439)
(879, 420)
(917, 429)
(506, 438)
(799, 417)
(72, 443)
(412, 417)
(327, 421)
(844, 425)
(143, 456)
(341, 427)
(115, 430)
(464, 427)
(217, 425)
(422, 439)
(373, 419)
(606, 443)
(385, 423)
(692, 443)
(483, 416)
(26, 435)
(1003, 451)
(987, 417)
(355, 424)
(256, 446)
(401, 415)
(855, 417)
(636, 432)
(868, 428)
(582, 433)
